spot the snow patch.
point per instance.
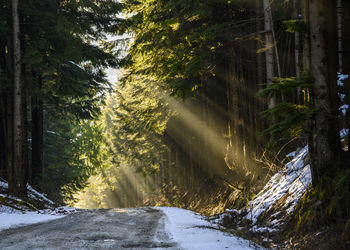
(263, 229)
(344, 132)
(193, 231)
(3, 185)
(35, 194)
(59, 211)
(16, 212)
(344, 108)
(277, 199)
(9, 220)
(341, 78)
(291, 183)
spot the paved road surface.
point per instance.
(139, 228)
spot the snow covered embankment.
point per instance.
(270, 207)
(17, 212)
(282, 193)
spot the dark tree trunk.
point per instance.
(340, 35)
(19, 112)
(297, 51)
(9, 144)
(3, 114)
(269, 58)
(325, 143)
(8, 110)
(2, 135)
(37, 135)
(306, 50)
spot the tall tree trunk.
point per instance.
(19, 130)
(269, 48)
(3, 115)
(260, 78)
(340, 35)
(306, 51)
(8, 103)
(37, 135)
(3, 135)
(9, 144)
(297, 51)
(325, 144)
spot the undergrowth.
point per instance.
(321, 219)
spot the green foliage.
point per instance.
(74, 150)
(66, 44)
(175, 41)
(290, 120)
(66, 48)
(293, 26)
(286, 85)
(325, 204)
(134, 123)
(140, 119)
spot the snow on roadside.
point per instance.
(193, 231)
(281, 194)
(32, 193)
(9, 220)
(289, 183)
(279, 197)
(10, 217)
(15, 212)
(269, 208)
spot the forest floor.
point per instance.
(136, 228)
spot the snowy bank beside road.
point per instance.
(16, 212)
(285, 188)
(10, 217)
(192, 231)
(281, 194)
(269, 209)
(9, 220)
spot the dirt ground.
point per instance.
(139, 228)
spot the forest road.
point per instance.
(137, 228)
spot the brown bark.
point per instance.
(19, 130)
(340, 35)
(324, 144)
(9, 144)
(297, 51)
(37, 135)
(3, 115)
(269, 48)
(9, 122)
(3, 135)
(261, 104)
(306, 44)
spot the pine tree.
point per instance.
(63, 52)
(324, 146)
(20, 164)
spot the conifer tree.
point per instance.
(324, 146)
(64, 51)
(20, 164)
